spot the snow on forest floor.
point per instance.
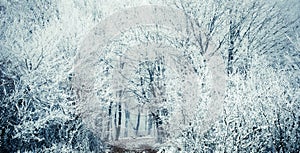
(139, 144)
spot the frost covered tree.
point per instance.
(165, 96)
(37, 113)
(248, 34)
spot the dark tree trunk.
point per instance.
(127, 116)
(159, 129)
(138, 122)
(119, 121)
(230, 50)
(115, 121)
(109, 121)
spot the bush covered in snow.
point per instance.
(158, 107)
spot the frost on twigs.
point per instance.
(159, 76)
(143, 62)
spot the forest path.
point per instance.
(138, 144)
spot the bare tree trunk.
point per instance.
(159, 129)
(138, 122)
(115, 122)
(231, 47)
(150, 122)
(109, 121)
(127, 118)
(118, 129)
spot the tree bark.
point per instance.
(118, 131)
(109, 121)
(230, 50)
(127, 119)
(138, 122)
(150, 122)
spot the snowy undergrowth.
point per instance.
(39, 42)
